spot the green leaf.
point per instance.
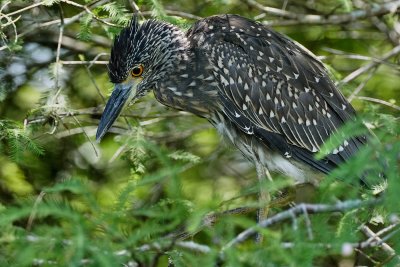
(85, 32)
(117, 13)
(71, 185)
(185, 156)
(16, 136)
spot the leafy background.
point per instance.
(143, 196)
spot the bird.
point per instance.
(266, 93)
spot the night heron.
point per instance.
(270, 96)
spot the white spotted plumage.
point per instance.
(264, 91)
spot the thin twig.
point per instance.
(380, 101)
(362, 84)
(87, 136)
(356, 56)
(117, 153)
(97, 112)
(308, 224)
(34, 210)
(385, 230)
(87, 10)
(68, 21)
(89, 130)
(296, 18)
(23, 9)
(299, 209)
(208, 221)
(389, 250)
(175, 13)
(58, 66)
(182, 14)
(373, 261)
(365, 68)
(194, 246)
(87, 68)
(84, 62)
(136, 8)
(392, 35)
(273, 11)
(10, 22)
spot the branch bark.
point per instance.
(299, 209)
(295, 18)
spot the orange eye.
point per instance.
(137, 70)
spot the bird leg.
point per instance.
(263, 196)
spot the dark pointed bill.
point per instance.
(119, 98)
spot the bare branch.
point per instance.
(392, 35)
(87, 136)
(380, 101)
(23, 9)
(136, 8)
(182, 14)
(273, 11)
(308, 224)
(375, 237)
(296, 18)
(97, 112)
(174, 13)
(68, 21)
(348, 55)
(298, 209)
(10, 21)
(58, 66)
(87, 10)
(365, 68)
(183, 244)
(194, 246)
(362, 85)
(84, 62)
(32, 216)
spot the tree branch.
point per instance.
(395, 51)
(295, 18)
(299, 209)
(379, 101)
(88, 11)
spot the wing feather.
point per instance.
(274, 88)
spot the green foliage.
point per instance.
(186, 156)
(136, 153)
(159, 12)
(346, 5)
(117, 13)
(158, 9)
(3, 92)
(50, 2)
(73, 232)
(15, 139)
(66, 224)
(85, 30)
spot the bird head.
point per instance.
(141, 56)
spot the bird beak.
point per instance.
(120, 97)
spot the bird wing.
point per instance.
(275, 89)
